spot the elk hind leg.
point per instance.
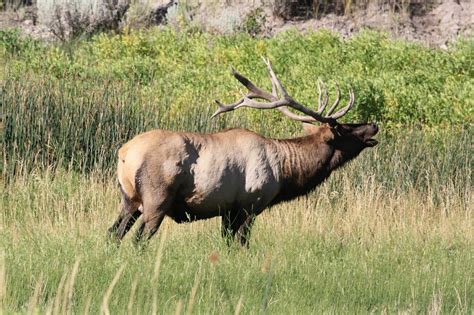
(154, 211)
(128, 215)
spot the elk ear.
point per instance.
(310, 128)
(328, 134)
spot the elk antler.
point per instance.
(285, 100)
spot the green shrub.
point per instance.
(13, 44)
(254, 22)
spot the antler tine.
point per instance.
(322, 103)
(302, 118)
(225, 108)
(276, 84)
(274, 78)
(336, 102)
(254, 92)
(274, 89)
(284, 110)
(344, 110)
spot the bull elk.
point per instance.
(235, 173)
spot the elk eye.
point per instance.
(339, 130)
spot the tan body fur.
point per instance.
(213, 172)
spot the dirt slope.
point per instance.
(438, 26)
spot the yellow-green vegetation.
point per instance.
(391, 232)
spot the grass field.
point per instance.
(392, 232)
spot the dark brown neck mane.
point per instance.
(305, 163)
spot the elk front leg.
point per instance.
(243, 231)
(226, 228)
(236, 225)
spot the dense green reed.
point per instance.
(50, 124)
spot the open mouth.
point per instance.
(371, 142)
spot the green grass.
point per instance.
(392, 231)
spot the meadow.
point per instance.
(391, 232)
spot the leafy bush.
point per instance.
(70, 19)
(13, 44)
(254, 22)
